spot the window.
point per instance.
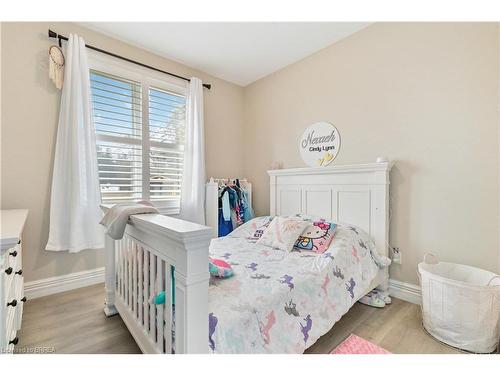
(140, 139)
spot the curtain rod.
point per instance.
(53, 34)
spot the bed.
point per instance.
(277, 302)
(301, 293)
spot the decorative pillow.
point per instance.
(317, 237)
(282, 232)
(260, 228)
(253, 229)
(219, 268)
(309, 218)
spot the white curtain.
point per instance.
(193, 179)
(75, 197)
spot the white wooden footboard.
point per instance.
(155, 253)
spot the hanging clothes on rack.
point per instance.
(234, 207)
(247, 212)
(225, 223)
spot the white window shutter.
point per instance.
(140, 150)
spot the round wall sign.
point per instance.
(319, 144)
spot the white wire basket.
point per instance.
(460, 304)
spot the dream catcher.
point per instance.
(56, 66)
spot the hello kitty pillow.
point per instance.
(316, 237)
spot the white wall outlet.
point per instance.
(397, 257)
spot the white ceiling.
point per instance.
(237, 52)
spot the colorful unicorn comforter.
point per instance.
(279, 302)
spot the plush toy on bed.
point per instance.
(317, 237)
(216, 267)
(158, 299)
(219, 268)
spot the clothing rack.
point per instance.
(212, 199)
(227, 180)
(60, 38)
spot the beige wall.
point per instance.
(30, 105)
(423, 95)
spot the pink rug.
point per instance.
(356, 345)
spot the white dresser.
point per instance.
(11, 277)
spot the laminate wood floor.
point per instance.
(74, 322)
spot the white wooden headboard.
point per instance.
(354, 194)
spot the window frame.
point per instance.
(147, 79)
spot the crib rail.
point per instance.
(159, 253)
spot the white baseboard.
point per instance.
(52, 285)
(405, 291)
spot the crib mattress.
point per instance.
(279, 302)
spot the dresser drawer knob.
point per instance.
(14, 341)
(20, 272)
(24, 299)
(8, 271)
(12, 303)
(14, 253)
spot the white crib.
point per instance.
(140, 265)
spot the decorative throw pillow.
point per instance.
(219, 268)
(309, 218)
(317, 237)
(253, 229)
(260, 229)
(282, 232)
